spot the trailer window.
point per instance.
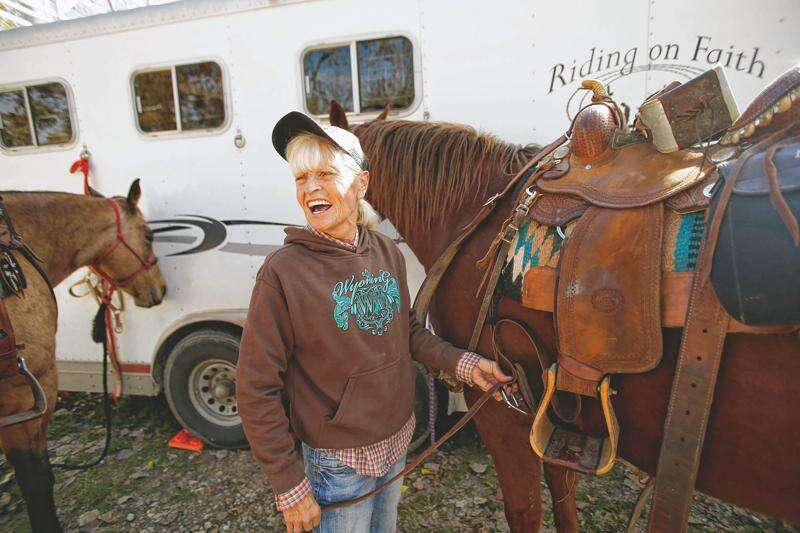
(50, 110)
(328, 76)
(14, 128)
(200, 95)
(155, 101)
(36, 115)
(384, 74)
(200, 102)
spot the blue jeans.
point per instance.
(334, 481)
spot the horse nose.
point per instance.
(155, 298)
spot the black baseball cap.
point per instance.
(295, 123)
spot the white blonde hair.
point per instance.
(307, 152)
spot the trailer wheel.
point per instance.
(200, 386)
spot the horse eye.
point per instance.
(149, 238)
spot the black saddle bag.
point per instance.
(756, 268)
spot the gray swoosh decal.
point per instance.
(248, 249)
(183, 239)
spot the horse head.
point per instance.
(127, 260)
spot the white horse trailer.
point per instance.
(184, 96)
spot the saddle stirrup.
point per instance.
(39, 398)
(562, 446)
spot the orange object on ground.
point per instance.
(186, 441)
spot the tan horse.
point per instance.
(67, 231)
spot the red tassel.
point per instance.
(82, 164)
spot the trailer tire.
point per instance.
(200, 382)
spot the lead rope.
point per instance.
(103, 292)
(433, 407)
(99, 335)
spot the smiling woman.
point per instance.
(330, 329)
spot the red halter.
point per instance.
(143, 264)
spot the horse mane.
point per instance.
(421, 169)
(34, 192)
(34, 203)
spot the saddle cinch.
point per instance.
(610, 293)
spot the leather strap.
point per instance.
(689, 407)
(579, 369)
(775, 194)
(508, 234)
(695, 379)
(424, 455)
(8, 345)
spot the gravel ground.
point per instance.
(146, 487)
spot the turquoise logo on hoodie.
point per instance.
(374, 301)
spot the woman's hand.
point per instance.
(303, 516)
(486, 373)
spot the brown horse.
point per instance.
(430, 180)
(67, 231)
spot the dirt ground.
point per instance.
(144, 487)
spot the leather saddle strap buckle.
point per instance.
(509, 233)
(513, 401)
(521, 213)
(561, 446)
(521, 399)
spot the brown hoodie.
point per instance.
(329, 332)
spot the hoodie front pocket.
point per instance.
(375, 398)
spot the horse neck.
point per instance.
(429, 243)
(67, 231)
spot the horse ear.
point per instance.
(338, 116)
(384, 113)
(95, 193)
(134, 194)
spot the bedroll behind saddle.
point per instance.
(756, 264)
